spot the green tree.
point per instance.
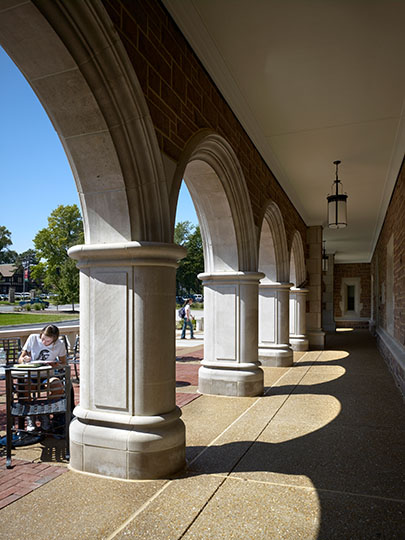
(29, 256)
(182, 231)
(189, 236)
(58, 270)
(6, 255)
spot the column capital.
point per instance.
(297, 290)
(277, 285)
(230, 277)
(127, 253)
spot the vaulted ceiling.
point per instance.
(312, 82)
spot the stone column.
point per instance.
(316, 336)
(127, 424)
(328, 315)
(298, 324)
(274, 336)
(230, 366)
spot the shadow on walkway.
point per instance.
(320, 456)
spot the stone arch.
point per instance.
(92, 96)
(273, 252)
(298, 272)
(217, 186)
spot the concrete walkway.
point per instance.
(320, 456)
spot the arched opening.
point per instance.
(274, 347)
(36, 177)
(214, 216)
(298, 295)
(214, 179)
(105, 129)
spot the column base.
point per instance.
(299, 343)
(229, 380)
(144, 448)
(316, 339)
(276, 356)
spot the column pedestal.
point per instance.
(274, 345)
(298, 335)
(230, 366)
(127, 424)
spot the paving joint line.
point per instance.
(227, 476)
(312, 488)
(163, 488)
(140, 509)
(248, 409)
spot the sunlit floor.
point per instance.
(320, 455)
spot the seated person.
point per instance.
(45, 347)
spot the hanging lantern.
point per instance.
(325, 260)
(337, 204)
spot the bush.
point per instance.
(37, 306)
(28, 307)
(179, 324)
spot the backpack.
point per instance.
(182, 312)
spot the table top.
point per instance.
(27, 367)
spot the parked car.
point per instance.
(34, 301)
(198, 298)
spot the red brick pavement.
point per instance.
(25, 476)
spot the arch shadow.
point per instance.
(348, 468)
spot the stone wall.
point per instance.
(183, 100)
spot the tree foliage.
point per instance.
(57, 269)
(6, 255)
(29, 257)
(189, 236)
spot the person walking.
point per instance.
(188, 320)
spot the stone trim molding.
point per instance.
(108, 134)
(297, 254)
(271, 213)
(213, 150)
(129, 253)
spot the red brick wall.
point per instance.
(358, 270)
(182, 99)
(394, 224)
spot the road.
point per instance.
(52, 308)
(198, 314)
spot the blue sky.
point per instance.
(35, 176)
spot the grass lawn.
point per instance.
(7, 319)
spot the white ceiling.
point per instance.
(313, 81)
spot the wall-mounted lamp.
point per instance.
(337, 204)
(325, 259)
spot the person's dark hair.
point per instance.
(51, 331)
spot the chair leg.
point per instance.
(9, 435)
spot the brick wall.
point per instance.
(357, 270)
(182, 99)
(394, 224)
(393, 227)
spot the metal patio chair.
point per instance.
(28, 395)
